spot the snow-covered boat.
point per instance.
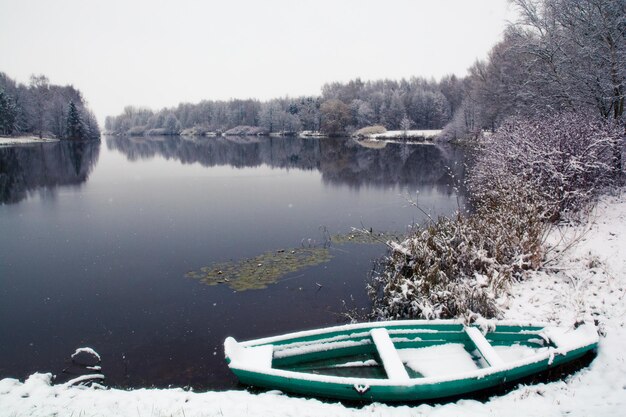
(405, 360)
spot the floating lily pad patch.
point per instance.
(364, 237)
(258, 272)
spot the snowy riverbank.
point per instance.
(415, 135)
(587, 282)
(24, 140)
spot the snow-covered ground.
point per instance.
(24, 140)
(409, 134)
(588, 281)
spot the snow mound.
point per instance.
(447, 359)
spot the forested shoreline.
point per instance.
(559, 56)
(45, 110)
(342, 108)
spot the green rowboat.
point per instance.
(404, 361)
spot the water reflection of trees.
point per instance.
(395, 164)
(341, 161)
(25, 169)
(239, 152)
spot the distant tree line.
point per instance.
(341, 108)
(45, 109)
(561, 55)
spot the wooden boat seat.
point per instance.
(389, 355)
(484, 347)
(257, 356)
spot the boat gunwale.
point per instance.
(385, 382)
(386, 324)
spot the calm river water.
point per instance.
(96, 240)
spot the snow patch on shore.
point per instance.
(401, 134)
(586, 282)
(24, 140)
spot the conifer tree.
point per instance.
(8, 114)
(75, 129)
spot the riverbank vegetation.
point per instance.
(45, 110)
(553, 91)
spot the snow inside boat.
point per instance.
(404, 360)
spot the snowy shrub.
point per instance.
(530, 173)
(369, 130)
(196, 130)
(246, 131)
(137, 131)
(564, 161)
(458, 266)
(423, 278)
(159, 131)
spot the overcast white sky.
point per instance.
(158, 53)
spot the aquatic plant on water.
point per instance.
(258, 272)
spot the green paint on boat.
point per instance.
(348, 362)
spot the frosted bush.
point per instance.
(137, 131)
(157, 131)
(369, 130)
(528, 174)
(246, 131)
(565, 161)
(458, 266)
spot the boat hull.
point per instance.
(399, 393)
(389, 390)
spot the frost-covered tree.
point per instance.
(395, 111)
(290, 122)
(365, 115)
(467, 120)
(110, 124)
(405, 125)
(75, 126)
(40, 94)
(156, 121)
(335, 117)
(57, 116)
(577, 49)
(497, 85)
(561, 55)
(270, 117)
(40, 107)
(309, 113)
(172, 125)
(92, 130)
(452, 89)
(8, 114)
